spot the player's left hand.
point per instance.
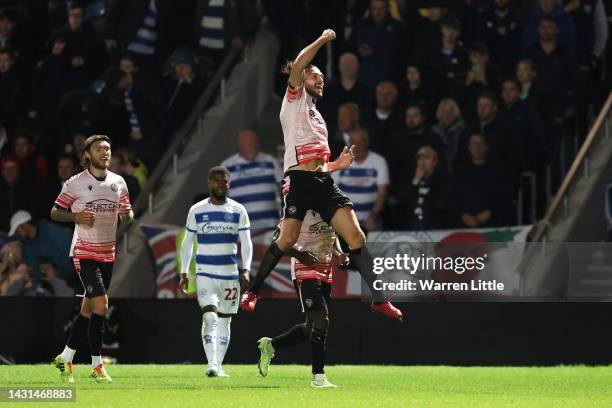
(245, 279)
(344, 261)
(183, 283)
(346, 157)
(124, 209)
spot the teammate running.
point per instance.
(217, 222)
(96, 198)
(308, 184)
(311, 271)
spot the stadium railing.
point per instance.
(559, 208)
(144, 202)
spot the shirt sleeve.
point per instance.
(67, 196)
(187, 251)
(293, 94)
(125, 194)
(383, 173)
(244, 223)
(191, 225)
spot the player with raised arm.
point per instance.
(96, 198)
(308, 183)
(311, 271)
(217, 223)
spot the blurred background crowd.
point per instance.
(448, 102)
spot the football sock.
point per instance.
(77, 337)
(268, 262)
(362, 260)
(317, 347)
(96, 331)
(291, 337)
(209, 336)
(96, 361)
(68, 354)
(223, 337)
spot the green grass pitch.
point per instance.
(182, 386)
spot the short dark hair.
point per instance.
(87, 145)
(112, 76)
(67, 156)
(76, 4)
(286, 69)
(550, 19)
(451, 22)
(418, 106)
(479, 47)
(490, 96)
(218, 170)
(512, 80)
(8, 51)
(130, 56)
(24, 134)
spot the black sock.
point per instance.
(96, 331)
(78, 333)
(362, 260)
(291, 337)
(268, 262)
(317, 347)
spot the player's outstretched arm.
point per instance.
(296, 77)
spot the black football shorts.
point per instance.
(310, 190)
(95, 277)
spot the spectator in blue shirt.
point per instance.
(549, 8)
(43, 240)
(377, 41)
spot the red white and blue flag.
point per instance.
(278, 285)
(162, 241)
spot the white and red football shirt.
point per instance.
(318, 237)
(85, 192)
(304, 129)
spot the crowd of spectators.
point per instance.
(458, 97)
(132, 70)
(446, 101)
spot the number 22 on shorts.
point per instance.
(231, 293)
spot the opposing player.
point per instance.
(311, 271)
(308, 183)
(216, 223)
(96, 197)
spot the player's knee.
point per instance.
(356, 239)
(319, 319)
(211, 319)
(286, 241)
(86, 308)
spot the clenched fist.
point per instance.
(86, 217)
(328, 35)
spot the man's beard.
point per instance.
(98, 165)
(312, 93)
(218, 196)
